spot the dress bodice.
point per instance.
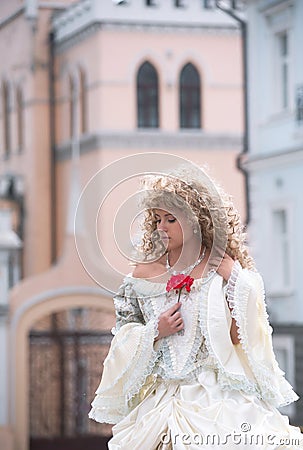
(135, 360)
(182, 355)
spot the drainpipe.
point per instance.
(51, 72)
(243, 154)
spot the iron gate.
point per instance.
(66, 361)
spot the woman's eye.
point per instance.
(157, 221)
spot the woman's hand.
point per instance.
(224, 269)
(170, 322)
(225, 266)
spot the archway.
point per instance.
(60, 345)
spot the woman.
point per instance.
(191, 365)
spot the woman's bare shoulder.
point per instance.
(141, 271)
(148, 270)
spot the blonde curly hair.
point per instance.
(206, 206)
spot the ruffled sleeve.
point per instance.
(126, 307)
(246, 296)
(129, 363)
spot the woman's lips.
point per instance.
(164, 238)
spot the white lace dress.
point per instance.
(194, 389)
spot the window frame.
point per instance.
(284, 289)
(20, 119)
(188, 93)
(286, 343)
(282, 64)
(6, 118)
(72, 106)
(82, 101)
(147, 103)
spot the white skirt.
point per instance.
(199, 416)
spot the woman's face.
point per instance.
(174, 230)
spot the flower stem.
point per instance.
(179, 295)
(181, 332)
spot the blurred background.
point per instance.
(84, 83)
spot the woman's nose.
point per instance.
(162, 226)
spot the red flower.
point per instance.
(178, 282)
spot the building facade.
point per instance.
(84, 84)
(275, 165)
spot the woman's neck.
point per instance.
(181, 258)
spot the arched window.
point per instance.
(147, 96)
(6, 119)
(77, 103)
(190, 97)
(20, 125)
(82, 102)
(72, 107)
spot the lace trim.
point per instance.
(146, 288)
(114, 408)
(106, 413)
(143, 360)
(193, 362)
(238, 294)
(285, 391)
(188, 377)
(226, 380)
(231, 283)
(192, 374)
(145, 363)
(192, 344)
(199, 346)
